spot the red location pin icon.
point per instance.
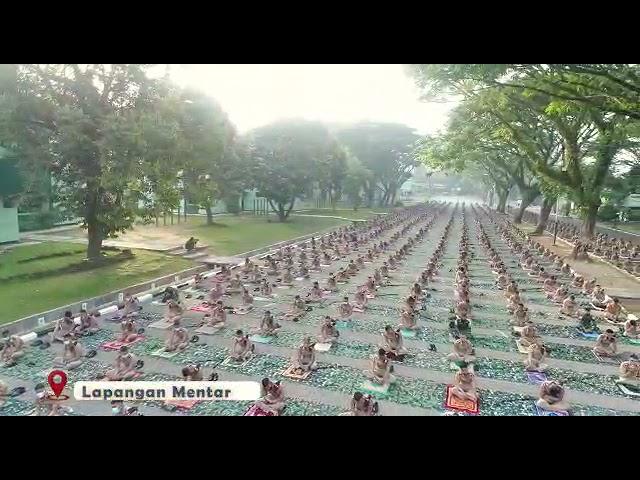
(57, 381)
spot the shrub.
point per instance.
(607, 213)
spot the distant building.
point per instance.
(632, 206)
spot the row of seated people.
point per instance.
(606, 342)
(551, 396)
(622, 252)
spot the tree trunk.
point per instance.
(502, 201)
(589, 223)
(95, 240)
(545, 211)
(528, 196)
(207, 209)
(282, 216)
(491, 197)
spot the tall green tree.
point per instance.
(385, 149)
(82, 121)
(207, 137)
(286, 155)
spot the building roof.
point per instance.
(632, 201)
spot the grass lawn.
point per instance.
(626, 227)
(26, 297)
(361, 214)
(232, 235)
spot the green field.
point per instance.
(231, 235)
(626, 227)
(24, 297)
(360, 214)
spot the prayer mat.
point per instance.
(161, 325)
(549, 413)
(256, 411)
(231, 363)
(406, 333)
(291, 373)
(183, 404)
(202, 308)
(162, 353)
(628, 390)
(536, 378)
(322, 347)
(208, 330)
(374, 388)
(454, 403)
(116, 345)
(260, 339)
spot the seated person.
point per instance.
(242, 348)
(235, 285)
(272, 400)
(551, 397)
(630, 372)
(191, 244)
(362, 406)
(561, 294)
(171, 293)
(345, 309)
(588, 324)
(215, 293)
(298, 308)
(598, 298)
(606, 344)
(178, 338)
(255, 275)
(328, 331)
(566, 268)
(534, 361)
(131, 306)
(569, 306)
(631, 329)
(381, 369)
(72, 356)
(287, 278)
(463, 352)
(316, 294)
(265, 288)
(588, 286)
(88, 323)
(332, 284)
(248, 265)
(613, 310)
(463, 308)
(520, 316)
(4, 391)
(408, 320)
(528, 336)
(268, 325)
(304, 359)
(218, 315)
(392, 341)
(550, 285)
(128, 331)
(12, 351)
(64, 327)
(578, 281)
(247, 299)
(360, 299)
(124, 366)
(192, 373)
(464, 385)
(304, 271)
(173, 312)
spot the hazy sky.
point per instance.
(254, 95)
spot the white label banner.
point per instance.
(167, 391)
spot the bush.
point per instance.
(607, 213)
(28, 222)
(232, 202)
